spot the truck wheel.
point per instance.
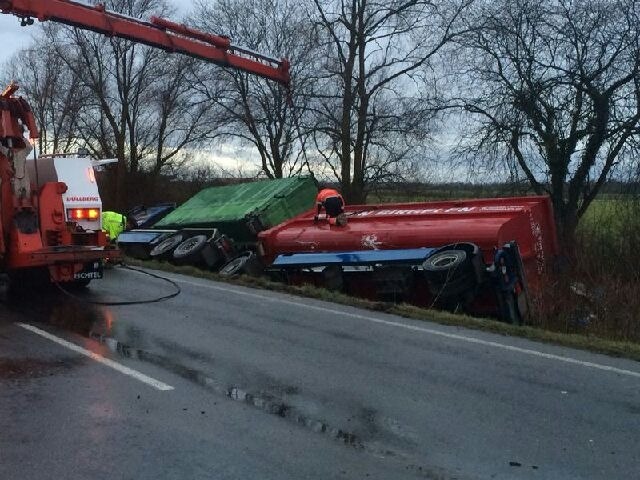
(445, 266)
(189, 251)
(165, 247)
(246, 263)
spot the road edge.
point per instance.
(579, 341)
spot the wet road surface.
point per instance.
(228, 382)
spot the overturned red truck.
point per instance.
(485, 257)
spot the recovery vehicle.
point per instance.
(50, 209)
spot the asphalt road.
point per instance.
(229, 382)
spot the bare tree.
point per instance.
(259, 112)
(180, 117)
(373, 98)
(53, 92)
(554, 84)
(140, 106)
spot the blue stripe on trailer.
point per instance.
(139, 236)
(354, 258)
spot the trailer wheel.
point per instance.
(246, 263)
(446, 266)
(164, 248)
(189, 251)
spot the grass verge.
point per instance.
(572, 340)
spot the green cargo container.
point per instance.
(236, 210)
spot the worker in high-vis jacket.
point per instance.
(113, 224)
(330, 200)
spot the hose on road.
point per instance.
(126, 302)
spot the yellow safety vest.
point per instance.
(113, 224)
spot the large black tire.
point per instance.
(164, 249)
(446, 265)
(245, 263)
(190, 250)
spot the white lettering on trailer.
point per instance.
(460, 209)
(432, 211)
(502, 208)
(538, 243)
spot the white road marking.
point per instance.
(141, 377)
(415, 328)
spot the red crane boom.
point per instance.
(157, 32)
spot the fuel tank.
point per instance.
(488, 223)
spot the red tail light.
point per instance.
(83, 213)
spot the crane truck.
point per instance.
(50, 208)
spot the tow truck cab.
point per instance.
(68, 240)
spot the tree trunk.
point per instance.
(120, 196)
(357, 194)
(566, 224)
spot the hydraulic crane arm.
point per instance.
(156, 32)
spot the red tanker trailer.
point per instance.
(483, 256)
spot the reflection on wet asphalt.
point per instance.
(99, 323)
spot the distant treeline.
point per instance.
(143, 189)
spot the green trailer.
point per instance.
(201, 228)
(241, 211)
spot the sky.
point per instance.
(13, 37)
